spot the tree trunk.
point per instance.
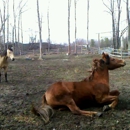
(4, 24)
(118, 25)
(128, 22)
(113, 31)
(48, 27)
(88, 25)
(14, 27)
(7, 22)
(69, 48)
(40, 30)
(19, 47)
(21, 33)
(75, 3)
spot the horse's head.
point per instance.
(112, 63)
(10, 53)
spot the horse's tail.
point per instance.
(45, 111)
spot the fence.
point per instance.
(116, 52)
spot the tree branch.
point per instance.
(107, 6)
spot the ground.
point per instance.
(29, 79)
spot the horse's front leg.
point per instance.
(114, 103)
(110, 98)
(0, 75)
(5, 71)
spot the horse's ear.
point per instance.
(10, 47)
(103, 54)
(105, 58)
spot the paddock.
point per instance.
(29, 79)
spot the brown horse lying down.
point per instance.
(95, 89)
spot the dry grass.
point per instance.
(28, 80)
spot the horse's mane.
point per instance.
(10, 48)
(97, 64)
(3, 53)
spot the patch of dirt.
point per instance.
(29, 79)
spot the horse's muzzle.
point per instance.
(13, 59)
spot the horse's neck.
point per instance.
(101, 75)
(3, 60)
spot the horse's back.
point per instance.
(60, 88)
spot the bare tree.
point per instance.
(4, 5)
(69, 46)
(75, 3)
(115, 20)
(2, 22)
(87, 22)
(88, 25)
(14, 26)
(7, 22)
(20, 11)
(40, 29)
(21, 29)
(3, 18)
(111, 12)
(118, 24)
(128, 22)
(48, 23)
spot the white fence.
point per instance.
(115, 52)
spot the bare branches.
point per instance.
(22, 6)
(115, 19)
(107, 6)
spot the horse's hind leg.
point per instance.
(74, 109)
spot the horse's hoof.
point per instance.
(99, 114)
(106, 108)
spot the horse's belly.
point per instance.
(86, 101)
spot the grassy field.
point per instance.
(29, 79)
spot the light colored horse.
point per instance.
(93, 89)
(8, 53)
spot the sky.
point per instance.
(99, 19)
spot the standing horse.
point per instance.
(73, 95)
(4, 61)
